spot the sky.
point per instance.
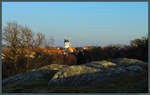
(84, 23)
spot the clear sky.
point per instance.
(85, 23)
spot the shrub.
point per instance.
(70, 59)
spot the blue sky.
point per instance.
(85, 23)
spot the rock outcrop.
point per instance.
(91, 73)
(43, 73)
(127, 62)
(95, 72)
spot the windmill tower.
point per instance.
(66, 43)
(68, 47)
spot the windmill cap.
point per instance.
(66, 40)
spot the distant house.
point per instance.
(68, 48)
(86, 47)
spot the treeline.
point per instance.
(138, 49)
(16, 38)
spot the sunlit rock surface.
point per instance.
(96, 72)
(126, 61)
(53, 67)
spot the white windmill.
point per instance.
(66, 43)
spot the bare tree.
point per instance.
(11, 33)
(39, 40)
(27, 37)
(49, 42)
(16, 36)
